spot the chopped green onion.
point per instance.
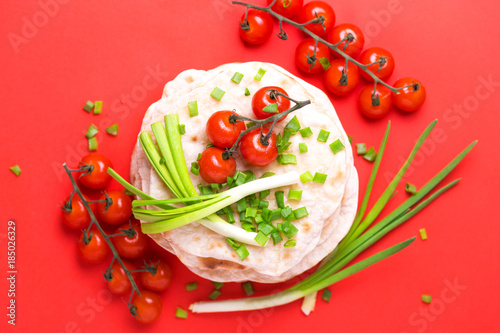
(271, 108)
(92, 144)
(248, 221)
(427, 299)
(247, 92)
(217, 285)
(112, 130)
(370, 155)
(324, 62)
(162, 161)
(290, 243)
(237, 77)
(181, 313)
(284, 159)
(97, 107)
(250, 176)
(198, 158)
(210, 145)
(91, 131)
(306, 132)
(265, 228)
(423, 234)
(216, 293)
(191, 286)
(217, 93)
(195, 168)
(337, 146)
(248, 288)
(360, 148)
(16, 170)
(266, 214)
(204, 190)
(193, 108)
(261, 238)
(280, 198)
(215, 187)
(264, 194)
(294, 194)
(263, 204)
(326, 295)
(258, 218)
(275, 235)
(293, 125)
(287, 212)
(287, 229)
(242, 252)
(250, 212)
(240, 178)
(350, 138)
(250, 124)
(254, 202)
(88, 106)
(267, 174)
(319, 178)
(242, 205)
(275, 214)
(410, 188)
(323, 136)
(259, 74)
(306, 177)
(302, 147)
(300, 212)
(229, 212)
(182, 129)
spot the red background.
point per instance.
(104, 50)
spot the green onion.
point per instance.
(267, 174)
(247, 222)
(217, 285)
(263, 204)
(242, 252)
(240, 178)
(280, 198)
(91, 131)
(112, 130)
(266, 214)
(259, 74)
(242, 205)
(215, 187)
(410, 188)
(229, 212)
(302, 147)
(216, 293)
(210, 145)
(287, 229)
(284, 159)
(360, 148)
(237, 77)
(427, 299)
(92, 144)
(261, 238)
(258, 218)
(294, 194)
(182, 129)
(423, 234)
(319, 178)
(271, 108)
(250, 176)
(247, 92)
(324, 62)
(293, 125)
(195, 168)
(350, 138)
(217, 93)
(205, 190)
(193, 108)
(300, 212)
(337, 146)
(326, 295)
(16, 170)
(254, 202)
(287, 212)
(181, 313)
(191, 286)
(251, 212)
(97, 107)
(275, 235)
(88, 106)
(265, 228)
(275, 214)
(323, 136)
(198, 158)
(290, 243)
(248, 288)
(264, 194)
(370, 155)
(306, 132)
(306, 177)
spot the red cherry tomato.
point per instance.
(374, 54)
(339, 32)
(287, 8)
(261, 27)
(93, 248)
(119, 282)
(366, 105)
(304, 50)
(213, 168)
(321, 8)
(333, 77)
(256, 153)
(130, 247)
(118, 212)
(160, 280)
(98, 178)
(410, 98)
(147, 307)
(264, 97)
(221, 132)
(75, 215)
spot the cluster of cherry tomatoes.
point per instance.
(131, 244)
(223, 134)
(340, 79)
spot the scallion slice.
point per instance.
(88, 106)
(326, 295)
(217, 285)
(195, 168)
(350, 138)
(247, 222)
(284, 159)
(265, 228)
(294, 194)
(319, 178)
(275, 235)
(306, 132)
(287, 229)
(248, 288)
(423, 234)
(242, 205)
(306, 177)
(91, 131)
(263, 204)
(191, 286)
(16, 170)
(264, 194)
(258, 218)
(337, 146)
(193, 108)
(275, 214)
(259, 74)
(280, 199)
(300, 212)
(97, 107)
(293, 125)
(198, 158)
(287, 212)
(217, 93)
(182, 129)
(360, 148)
(410, 188)
(250, 212)
(92, 143)
(181, 313)
(237, 77)
(267, 174)
(254, 202)
(271, 108)
(247, 92)
(324, 62)
(302, 147)
(216, 293)
(242, 252)
(370, 155)
(323, 136)
(290, 243)
(112, 130)
(261, 238)
(427, 299)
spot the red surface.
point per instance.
(107, 50)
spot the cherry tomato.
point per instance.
(256, 153)
(366, 105)
(119, 282)
(410, 98)
(287, 8)
(264, 97)
(160, 280)
(261, 27)
(147, 307)
(321, 8)
(98, 178)
(333, 77)
(94, 248)
(374, 54)
(305, 49)
(130, 247)
(118, 212)
(213, 168)
(221, 132)
(339, 32)
(75, 215)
